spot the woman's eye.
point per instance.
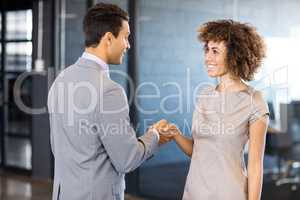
(215, 52)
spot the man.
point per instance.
(91, 138)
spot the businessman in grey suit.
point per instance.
(92, 141)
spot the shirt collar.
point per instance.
(96, 59)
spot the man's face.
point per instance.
(119, 45)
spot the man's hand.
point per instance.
(160, 125)
(171, 131)
(166, 131)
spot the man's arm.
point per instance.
(125, 151)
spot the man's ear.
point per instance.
(108, 38)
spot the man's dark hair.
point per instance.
(102, 18)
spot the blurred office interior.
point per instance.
(39, 38)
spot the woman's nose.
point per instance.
(208, 56)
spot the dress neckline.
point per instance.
(247, 89)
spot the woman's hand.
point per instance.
(166, 130)
(170, 131)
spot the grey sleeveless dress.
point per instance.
(220, 131)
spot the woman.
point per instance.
(227, 117)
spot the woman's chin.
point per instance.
(212, 74)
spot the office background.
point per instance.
(41, 38)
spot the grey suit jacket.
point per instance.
(92, 140)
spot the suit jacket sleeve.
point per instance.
(124, 149)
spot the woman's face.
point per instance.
(215, 58)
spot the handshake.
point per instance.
(166, 130)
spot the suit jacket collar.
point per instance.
(83, 62)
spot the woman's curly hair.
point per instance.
(245, 47)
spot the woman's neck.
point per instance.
(228, 83)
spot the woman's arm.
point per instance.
(186, 144)
(257, 135)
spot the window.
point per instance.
(16, 58)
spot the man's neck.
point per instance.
(97, 52)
